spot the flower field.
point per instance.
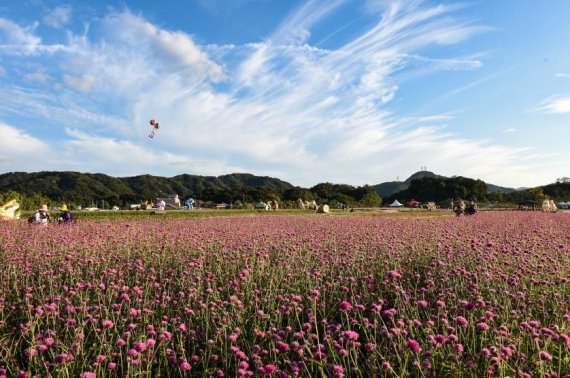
(289, 295)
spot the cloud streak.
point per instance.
(554, 105)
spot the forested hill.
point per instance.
(86, 188)
(388, 189)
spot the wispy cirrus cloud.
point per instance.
(18, 40)
(553, 105)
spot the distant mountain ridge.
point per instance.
(386, 189)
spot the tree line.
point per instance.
(99, 190)
(102, 191)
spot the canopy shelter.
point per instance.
(412, 202)
(396, 204)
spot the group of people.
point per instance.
(43, 217)
(463, 209)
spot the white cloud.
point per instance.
(20, 151)
(554, 105)
(58, 17)
(18, 40)
(38, 75)
(509, 130)
(83, 83)
(173, 49)
(563, 75)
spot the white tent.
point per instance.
(396, 204)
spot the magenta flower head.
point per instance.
(394, 274)
(461, 321)
(338, 371)
(267, 369)
(390, 312)
(482, 326)
(107, 323)
(344, 306)
(545, 355)
(351, 335)
(88, 374)
(414, 346)
(185, 366)
(422, 304)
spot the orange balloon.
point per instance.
(152, 122)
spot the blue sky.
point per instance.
(342, 91)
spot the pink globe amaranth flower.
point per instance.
(62, 358)
(49, 341)
(268, 369)
(120, 342)
(185, 366)
(30, 352)
(111, 365)
(544, 355)
(461, 321)
(282, 346)
(139, 346)
(506, 352)
(243, 365)
(414, 345)
(338, 371)
(351, 335)
(483, 326)
(394, 274)
(440, 304)
(132, 353)
(100, 358)
(422, 304)
(88, 374)
(107, 323)
(344, 306)
(390, 312)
